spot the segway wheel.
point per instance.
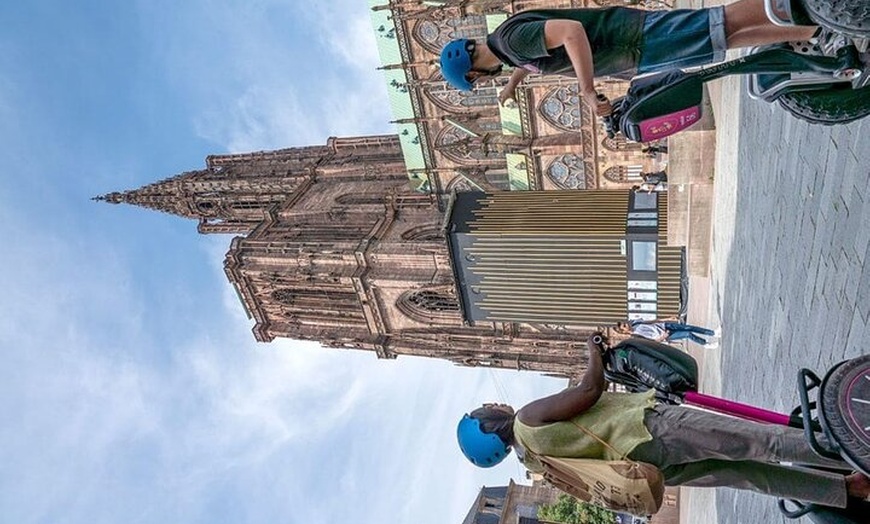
(834, 105)
(844, 410)
(849, 17)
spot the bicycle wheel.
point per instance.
(849, 17)
(834, 105)
(844, 410)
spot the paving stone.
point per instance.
(793, 277)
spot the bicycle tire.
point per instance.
(834, 105)
(849, 17)
(844, 418)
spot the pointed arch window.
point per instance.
(461, 148)
(561, 108)
(624, 173)
(424, 234)
(433, 301)
(461, 184)
(207, 208)
(430, 306)
(284, 296)
(569, 172)
(434, 34)
(456, 101)
(620, 143)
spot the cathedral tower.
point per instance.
(335, 247)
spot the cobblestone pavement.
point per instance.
(789, 280)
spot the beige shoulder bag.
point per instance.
(619, 485)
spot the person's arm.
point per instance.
(510, 89)
(569, 402)
(653, 321)
(658, 320)
(572, 35)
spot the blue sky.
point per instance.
(131, 389)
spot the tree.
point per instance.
(568, 510)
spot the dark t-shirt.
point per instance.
(615, 35)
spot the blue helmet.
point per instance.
(456, 63)
(484, 450)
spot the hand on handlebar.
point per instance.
(507, 97)
(611, 121)
(597, 342)
(598, 102)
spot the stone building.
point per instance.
(466, 140)
(511, 504)
(336, 246)
(518, 504)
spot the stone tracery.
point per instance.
(568, 171)
(561, 108)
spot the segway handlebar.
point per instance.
(611, 121)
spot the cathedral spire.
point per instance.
(111, 198)
(173, 196)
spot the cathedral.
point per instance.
(461, 140)
(358, 243)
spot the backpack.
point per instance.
(640, 364)
(651, 112)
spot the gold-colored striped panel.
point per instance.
(557, 257)
(584, 212)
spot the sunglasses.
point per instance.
(469, 48)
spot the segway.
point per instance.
(823, 82)
(840, 411)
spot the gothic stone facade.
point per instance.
(465, 140)
(335, 247)
(511, 504)
(518, 504)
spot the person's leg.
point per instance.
(699, 329)
(808, 485)
(680, 38)
(698, 448)
(677, 326)
(696, 339)
(682, 434)
(683, 335)
(746, 24)
(674, 336)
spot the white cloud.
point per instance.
(262, 117)
(276, 428)
(130, 385)
(273, 74)
(346, 30)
